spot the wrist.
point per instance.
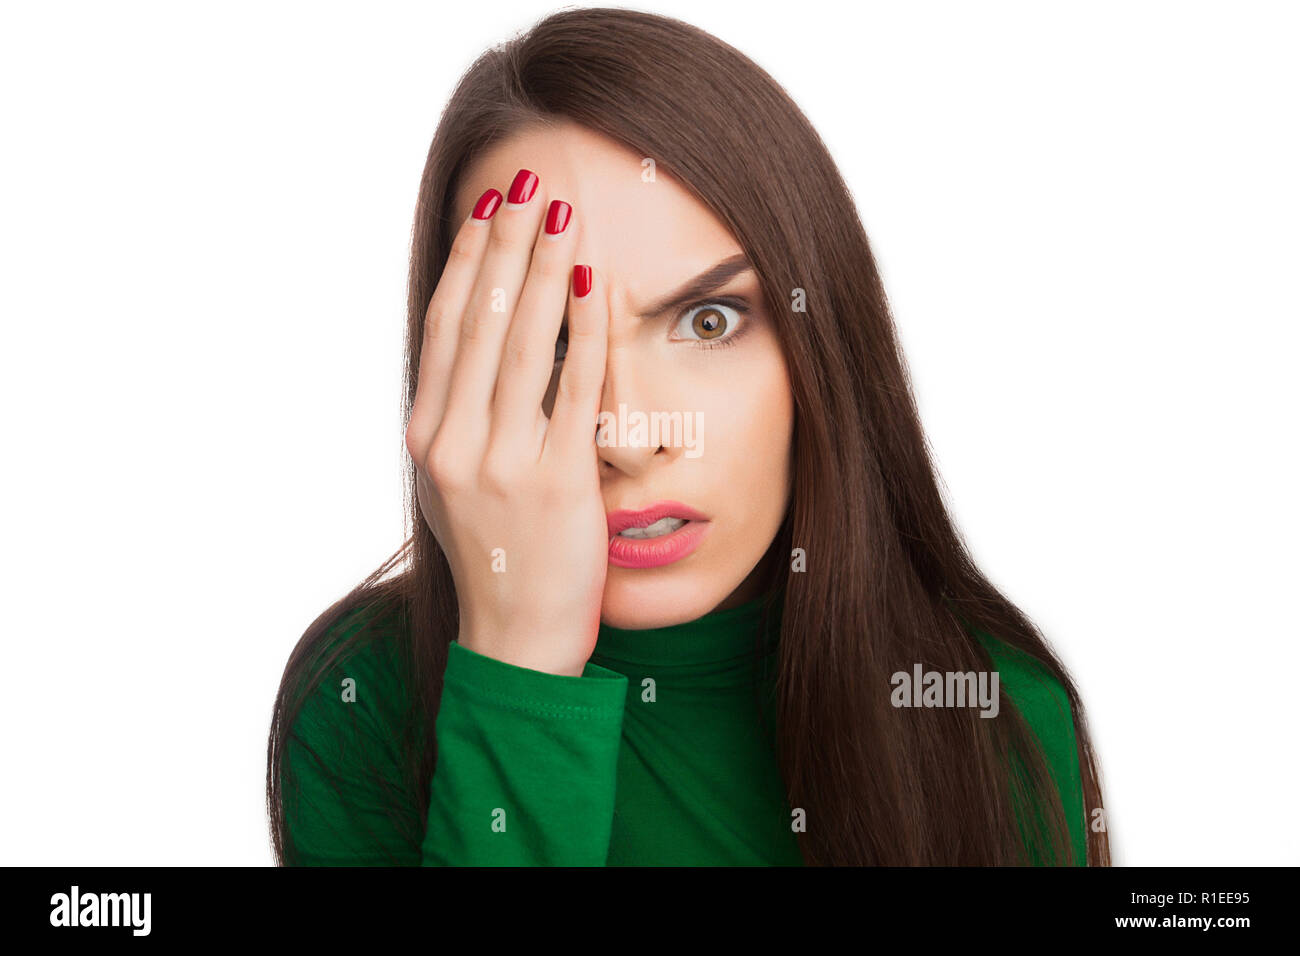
(521, 654)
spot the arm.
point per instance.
(525, 772)
(527, 763)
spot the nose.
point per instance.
(625, 442)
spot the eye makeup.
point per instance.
(729, 337)
(736, 303)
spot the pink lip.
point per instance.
(654, 552)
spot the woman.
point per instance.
(734, 640)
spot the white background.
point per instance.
(1086, 215)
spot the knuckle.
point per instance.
(516, 354)
(462, 250)
(435, 320)
(496, 477)
(473, 328)
(444, 466)
(585, 332)
(550, 267)
(503, 240)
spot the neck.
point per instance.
(722, 647)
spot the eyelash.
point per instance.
(740, 305)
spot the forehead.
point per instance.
(645, 235)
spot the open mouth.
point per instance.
(665, 532)
(657, 530)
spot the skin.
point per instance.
(483, 482)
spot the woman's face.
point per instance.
(714, 360)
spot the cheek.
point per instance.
(754, 442)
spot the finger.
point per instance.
(528, 358)
(492, 304)
(442, 323)
(577, 399)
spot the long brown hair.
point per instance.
(888, 582)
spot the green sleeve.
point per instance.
(525, 773)
(1043, 703)
(527, 765)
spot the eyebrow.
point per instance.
(705, 283)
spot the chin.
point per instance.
(636, 600)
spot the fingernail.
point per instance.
(581, 281)
(487, 204)
(522, 189)
(557, 216)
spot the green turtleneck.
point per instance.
(698, 782)
(661, 753)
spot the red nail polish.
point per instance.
(522, 189)
(487, 204)
(557, 216)
(581, 281)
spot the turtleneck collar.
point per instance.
(719, 646)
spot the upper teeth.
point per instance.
(660, 527)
